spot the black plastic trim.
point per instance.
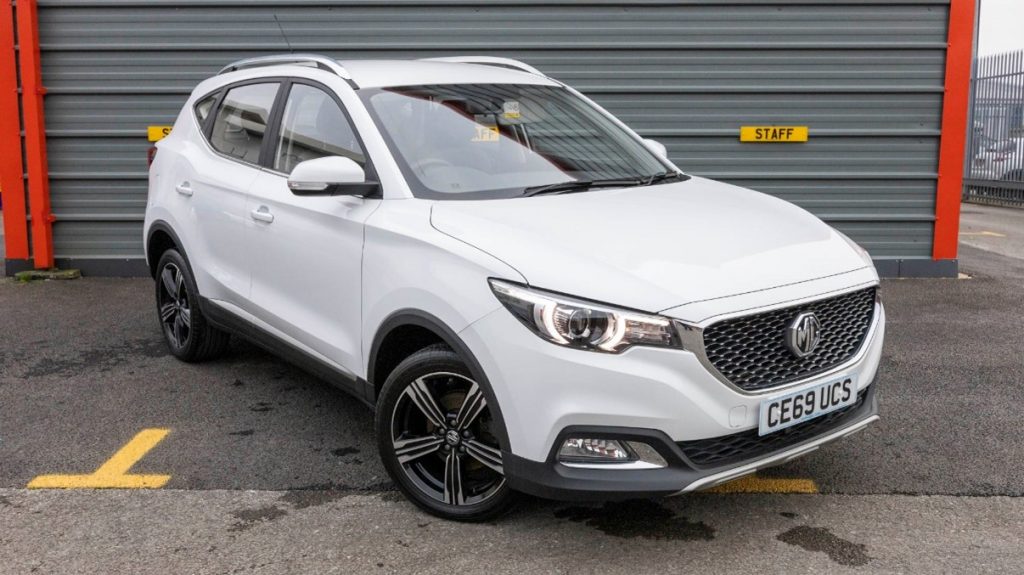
(161, 226)
(551, 480)
(227, 321)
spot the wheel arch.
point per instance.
(159, 238)
(421, 321)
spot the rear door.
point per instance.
(306, 251)
(215, 184)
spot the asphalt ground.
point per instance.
(265, 469)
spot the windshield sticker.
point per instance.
(510, 110)
(486, 133)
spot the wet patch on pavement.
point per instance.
(248, 518)
(822, 540)
(640, 518)
(103, 359)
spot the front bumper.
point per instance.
(664, 397)
(552, 480)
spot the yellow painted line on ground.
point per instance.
(985, 233)
(114, 473)
(755, 484)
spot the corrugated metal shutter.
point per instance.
(866, 76)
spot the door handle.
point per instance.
(184, 189)
(262, 214)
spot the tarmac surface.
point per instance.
(265, 469)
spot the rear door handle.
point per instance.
(262, 214)
(184, 189)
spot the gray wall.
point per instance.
(866, 76)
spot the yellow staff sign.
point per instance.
(773, 133)
(114, 473)
(157, 133)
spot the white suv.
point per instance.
(530, 296)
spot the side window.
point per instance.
(241, 121)
(313, 126)
(203, 108)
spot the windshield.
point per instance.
(480, 141)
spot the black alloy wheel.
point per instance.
(172, 302)
(188, 335)
(438, 438)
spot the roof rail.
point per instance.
(322, 62)
(490, 61)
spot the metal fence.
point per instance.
(994, 168)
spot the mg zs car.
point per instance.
(530, 296)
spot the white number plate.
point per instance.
(797, 407)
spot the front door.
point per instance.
(305, 252)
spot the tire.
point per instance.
(438, 440)
(187, 334)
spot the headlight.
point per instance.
(583, 325)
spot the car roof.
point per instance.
(385, 73)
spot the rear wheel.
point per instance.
(438, 439)
(189, 337)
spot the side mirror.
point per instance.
(330, 176)
(656, 147)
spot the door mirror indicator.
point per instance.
(331, 176)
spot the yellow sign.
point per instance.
(486, 133)
(114, 473)
(773, 134)
(157, 133)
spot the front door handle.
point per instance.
(184, 189)
(262, 214)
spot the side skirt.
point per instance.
(229, 322)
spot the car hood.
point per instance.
(653, 248)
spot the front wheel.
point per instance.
(438, 439)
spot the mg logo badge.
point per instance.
(452, 437)
(803, 334)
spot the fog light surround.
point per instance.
(598, 453)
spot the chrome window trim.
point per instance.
(692, 336)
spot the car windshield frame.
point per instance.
(463, 106)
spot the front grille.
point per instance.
(751, 352)
(746, 445)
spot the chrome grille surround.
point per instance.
(747, 350)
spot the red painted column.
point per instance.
(32, 92)
(954, 129)
(12, 185)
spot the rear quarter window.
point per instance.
(203, 108)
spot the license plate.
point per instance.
(797, 407)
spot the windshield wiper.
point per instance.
(577, 186)
(583, 185)
(664, 177)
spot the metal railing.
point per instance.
(994, 166)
